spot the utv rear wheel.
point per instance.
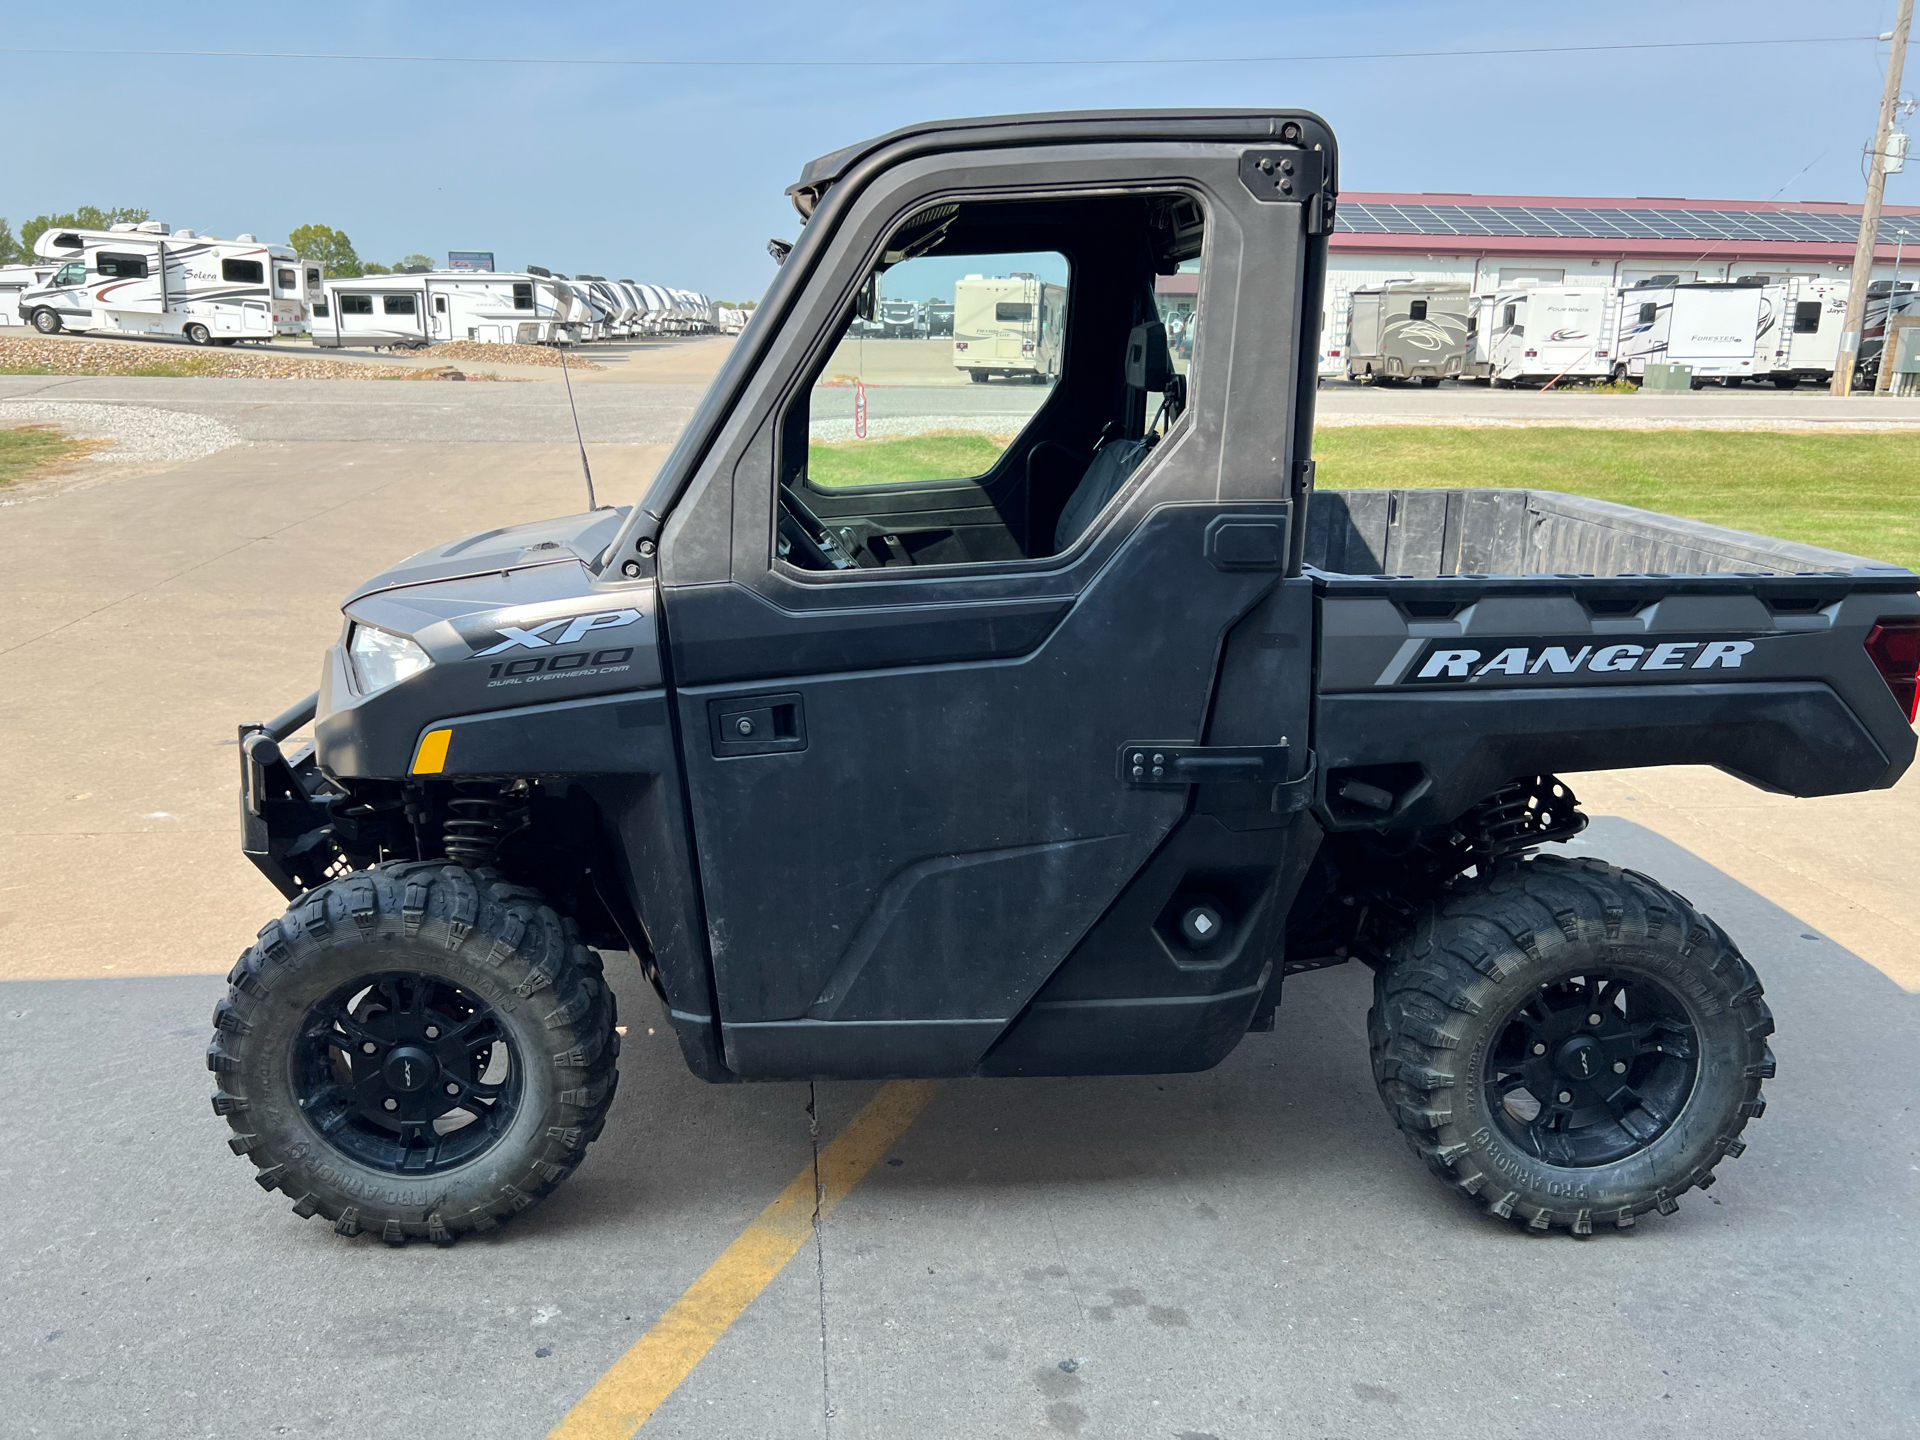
(1570, 1044)
(418, 1050)
(46, 322)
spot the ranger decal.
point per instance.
(1600, 658)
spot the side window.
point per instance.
(523, 295)
(121, 267)
(987, 398)
(72, 273)
(1416, 310)
(1806, 317)
(356, 304)
(243, 272)
(1506, 316)
(439, 304)
(397, 304)
(1647, 312)
(898, 405)
(288, 280)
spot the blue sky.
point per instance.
(676, 175)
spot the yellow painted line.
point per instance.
(431, 758)
(641, 1380)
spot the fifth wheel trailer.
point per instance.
(423, 309)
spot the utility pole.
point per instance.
(1870, 216)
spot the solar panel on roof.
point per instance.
(1575, 222)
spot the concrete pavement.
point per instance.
(1248, 1254)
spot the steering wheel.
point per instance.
(804, 531)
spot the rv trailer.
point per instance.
(1408, 330)
(1008, 325)
(1542, 333)
(1803, 343)
(940, 319)
(491, 307)
(1713, 326)
(15, 281)
(902, 319)
(150, 279)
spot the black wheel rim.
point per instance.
(407, 1073)
(1592, 1068)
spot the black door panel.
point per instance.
(951, 830)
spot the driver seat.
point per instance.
(1149, 369)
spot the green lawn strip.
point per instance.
(1857, 491)
(26, 453)
(903, 459)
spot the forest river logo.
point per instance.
(1506, 662)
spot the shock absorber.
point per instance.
(481, 815)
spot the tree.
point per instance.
(12, 252)
(425, 261)
(327, 247)
(87, 217)
(374, 267)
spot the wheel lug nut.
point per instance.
(1566, 1097)
(1591, 1020)
(1619, 1067)
(453, 1089)
(368, 1047)
(390, 1103)
(1539, 1049)
(433, 1031)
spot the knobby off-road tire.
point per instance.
(1491, 996)
(457, 955)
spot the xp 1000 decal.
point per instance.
(1597, 659)
(536, 653)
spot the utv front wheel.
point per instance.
(1570, 1044)
(418, 1051)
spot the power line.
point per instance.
(718, 64)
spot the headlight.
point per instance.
(381, 658)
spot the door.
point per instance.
(441, 322)
(905, 713)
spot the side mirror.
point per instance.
(867, 306)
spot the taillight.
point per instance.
(1894, 646)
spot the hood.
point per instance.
(569, 540)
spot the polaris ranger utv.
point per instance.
(1057, 768)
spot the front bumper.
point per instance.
(284, 825)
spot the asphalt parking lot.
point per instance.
(1249, 1252)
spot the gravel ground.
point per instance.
(23, 354)
(474, 352)
(139, 435)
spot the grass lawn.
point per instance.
(31, 451)
(1857, 491)
(937, 455)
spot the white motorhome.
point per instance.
(15, 281)
(1409, 330)
(1008, 325)
(491, 307)
(150, 279)
(1804, 341)
(1539, 333)
(1711, 325)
